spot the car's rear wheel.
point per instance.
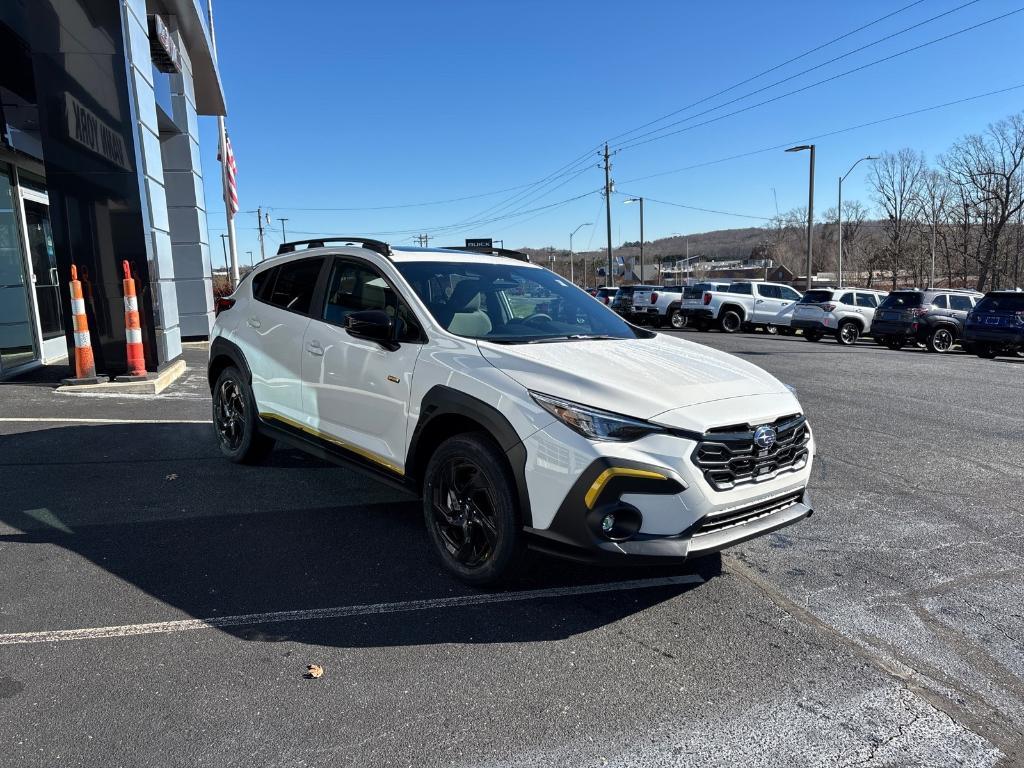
(235, 419)
(986, 351)
(470, 509)
(812, 335)
(848, 333)
(677, 320)
(940, 340)
(731, 322)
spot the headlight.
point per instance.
(593, 423)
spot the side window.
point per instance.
(940, 302)
(962, 303)
(866, 300)
(354, 288)
(294, 286)
(789, 294)
(744, 288)
(261, 283)
(769, 291)
(846, 298)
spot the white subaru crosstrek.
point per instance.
(523, 412)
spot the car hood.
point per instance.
(636, 377)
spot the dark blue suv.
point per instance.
(996, 325)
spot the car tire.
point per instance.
(986, 352)
(848, 333)
(771, 329)
(881, 340)
(812, 335)
(471, 512)
(236, 420)
(941, 340)
(731, 322)
(678, 320)
(894, 343)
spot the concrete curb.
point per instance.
(151, 386)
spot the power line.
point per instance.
(769, 70)
(784, 144)
(695, 208)
(631, 145)
(794, 76)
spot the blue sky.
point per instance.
(356, 105)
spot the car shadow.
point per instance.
(157, 507)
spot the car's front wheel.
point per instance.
(235, 419)
(469, 505)
(940, 340)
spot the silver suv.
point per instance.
(844, 313)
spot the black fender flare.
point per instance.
(442, 401)
(675, 305)
(740, 310)
(222, 348)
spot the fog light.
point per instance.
(608, 523)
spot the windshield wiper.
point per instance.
(575, 337)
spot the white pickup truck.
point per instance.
(657, 305)
(745, 304)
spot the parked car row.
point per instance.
(937, 319)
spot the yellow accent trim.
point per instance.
(602, 480)
(368, 455)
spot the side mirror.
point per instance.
(372, 325)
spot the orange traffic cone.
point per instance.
(133, 330)
(85, 365)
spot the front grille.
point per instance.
(728, 456)
(718, 522)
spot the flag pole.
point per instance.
(222, 131)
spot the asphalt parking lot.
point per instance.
(886, 630)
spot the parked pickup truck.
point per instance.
(658, 306)
(746, 304)
(691, 307)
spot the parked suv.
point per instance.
(605, 294)
(843, 313)
(509, 400)
(934, 318)
(996, 325)
(623, 301)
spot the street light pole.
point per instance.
(810, 209)
(839, 211)
(284, 239)
(641, 201)
(572, 266)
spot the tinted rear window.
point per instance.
(1004, 302)
(816, 297)
(903, 299)
(745, 288)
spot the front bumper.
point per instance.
(682, 514)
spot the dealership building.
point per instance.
(99, 164)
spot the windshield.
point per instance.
(902, 299)
(816, 297)
(510, 303)
(1002, 302)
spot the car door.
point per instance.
(867, 303)
(355, 393)
(959, 306)
(767, 302)
(270, 335)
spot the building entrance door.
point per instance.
(44, 274)
(17, 325)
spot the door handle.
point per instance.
(759, 301)
(254, 322)
(314, 348)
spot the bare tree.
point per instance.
(896, 180)
(935, 196)
(987, 169)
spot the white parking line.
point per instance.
(314, 614)
(63, 420)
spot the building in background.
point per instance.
(99, 163)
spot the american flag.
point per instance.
(230, 178)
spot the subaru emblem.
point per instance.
(764, 437)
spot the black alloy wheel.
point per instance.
(848, 333)
(941, 340)
(235, 420)
(470, 510)
(731, 321)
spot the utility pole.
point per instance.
(250, 257)
(284, 238)
(259, 225)
(608, 209)
(227, 266)
(223, 135)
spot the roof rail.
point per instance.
(377, 246)
(507, 253)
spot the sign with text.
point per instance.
(163, 48)
(93, 134)
(480, 242)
